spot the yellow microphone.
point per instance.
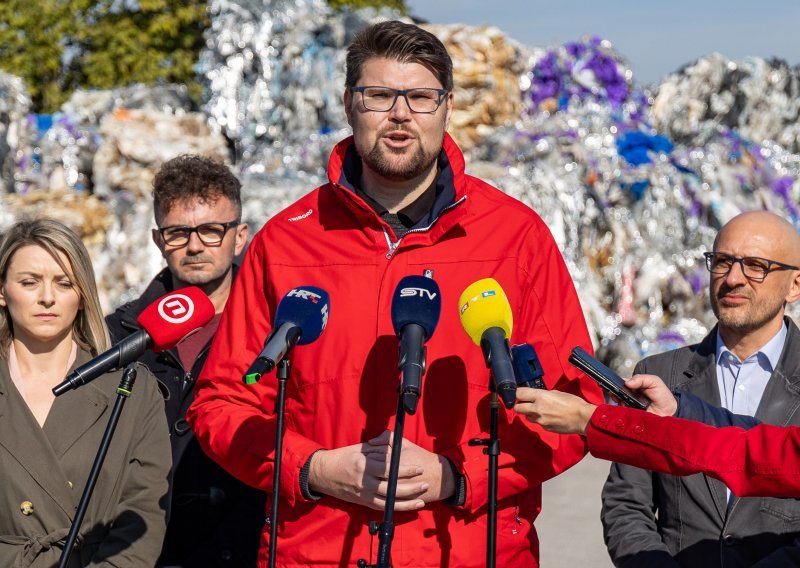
(486, 317)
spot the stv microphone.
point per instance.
(527, 369)
(165, 323)
(301, 316)
(416, 307)
(487, 319)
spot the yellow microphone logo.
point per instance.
(484, 305)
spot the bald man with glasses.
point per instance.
(215, 520)
(749, 364)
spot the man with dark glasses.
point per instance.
(749, 364)
(214, 520)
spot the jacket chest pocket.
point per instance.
(786, 510)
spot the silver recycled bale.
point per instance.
(633, 182)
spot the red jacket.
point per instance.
(763, 461)
(343, 387)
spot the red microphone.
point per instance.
(165, 323)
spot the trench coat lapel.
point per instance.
(73, 413)
(31, 445)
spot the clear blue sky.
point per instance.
(655, 38)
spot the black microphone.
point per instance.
(301, 316)
(527, 369)
(165, 323)
(416, 307)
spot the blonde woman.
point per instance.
(51, 322)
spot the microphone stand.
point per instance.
(282, 373)
(406, 403)
(123, 392)
(491, 449)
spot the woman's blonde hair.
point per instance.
(89, 329)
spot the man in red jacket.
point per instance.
(397, 203)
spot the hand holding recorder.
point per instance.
(608, 380)
(565, 413)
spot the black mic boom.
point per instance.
(300, 318)
(497, 353)
(412, 364)
(278, 344)
(126, 351)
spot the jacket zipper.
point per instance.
(392, 246)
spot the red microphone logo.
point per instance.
(176, 308)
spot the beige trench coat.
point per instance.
(43, 471)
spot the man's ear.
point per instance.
(794, 288)
(449, 109)
(242, 232)
(348, 101)
(159, 242)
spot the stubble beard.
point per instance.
(745, 321)
(401, 168)
(211, 278)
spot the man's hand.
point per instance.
(554, 410)
(662, 402)
(360, 473)
(436, 475)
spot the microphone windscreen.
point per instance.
(308, 308)
(416, 300)
(175, 316)
(484, 305)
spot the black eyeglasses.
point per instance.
(382, 99)
(210, 234)
(753, 267)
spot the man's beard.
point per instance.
(747, 321)
(402, 169)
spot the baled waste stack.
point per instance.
(632, 182)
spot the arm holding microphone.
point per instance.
(566, 413)
(761, 461)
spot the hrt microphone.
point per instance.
(487, 319)
(164, 324)
(416, 306)
(301, 316)
(527, 369)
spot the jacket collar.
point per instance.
(344, 171)
(160, 285)
(38, 449)
(699, 375)
(700, 372)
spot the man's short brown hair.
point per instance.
(402, 42)
(191, 177)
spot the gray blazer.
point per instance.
(43, 471)
(654, 520)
